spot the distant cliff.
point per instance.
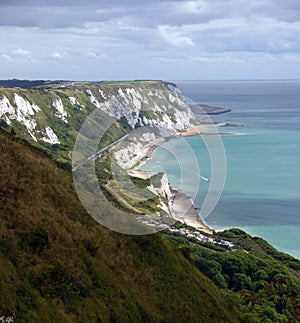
(51, 114)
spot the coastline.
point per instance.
(184, 211)
(180, 205)
(202, 129)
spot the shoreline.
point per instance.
(202, 129)
(181, 207)
(184, 211)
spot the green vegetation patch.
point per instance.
(263, 285)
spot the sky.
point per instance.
(150, 39)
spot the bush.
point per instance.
(210, 268)
(240, 281)
(220, 281)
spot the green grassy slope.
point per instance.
(58, 265)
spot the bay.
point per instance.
(262, 189)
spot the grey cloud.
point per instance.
(248, 35)
(76, 13)
(47, 17)
(148, 13)
(82, 33)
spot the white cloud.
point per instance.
(217, 59)
(93, 55)
(20, 52)
(290, 57)
(174, 37)
(169, 60)
(191, 7)
(19, 55)
(60, 55)
(232, 58)
(6, 57)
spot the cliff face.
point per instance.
(143, 104)
(47, 115)
(138, 147)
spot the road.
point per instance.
(101, 152)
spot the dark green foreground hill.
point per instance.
(58, 265)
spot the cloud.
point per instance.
(60, 55)
(174, 37)
(21, 52)
(242, 58)
(75, 33)
(19, 55)
(7, 57)
(256, 34)
(93, 55)
(147, 13)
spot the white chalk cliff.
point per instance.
(51, 115)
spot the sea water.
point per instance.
(262, 189)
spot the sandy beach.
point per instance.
(180, 205)
(184, 211)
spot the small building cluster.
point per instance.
(189, 233)
(201, 237)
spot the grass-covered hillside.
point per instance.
(58, 265)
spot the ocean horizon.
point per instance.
(262, 189)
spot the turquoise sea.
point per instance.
(262, 189)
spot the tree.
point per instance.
(249, 298)
(240, 281)
(233, 264)
(220, 281)
(210, 268)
